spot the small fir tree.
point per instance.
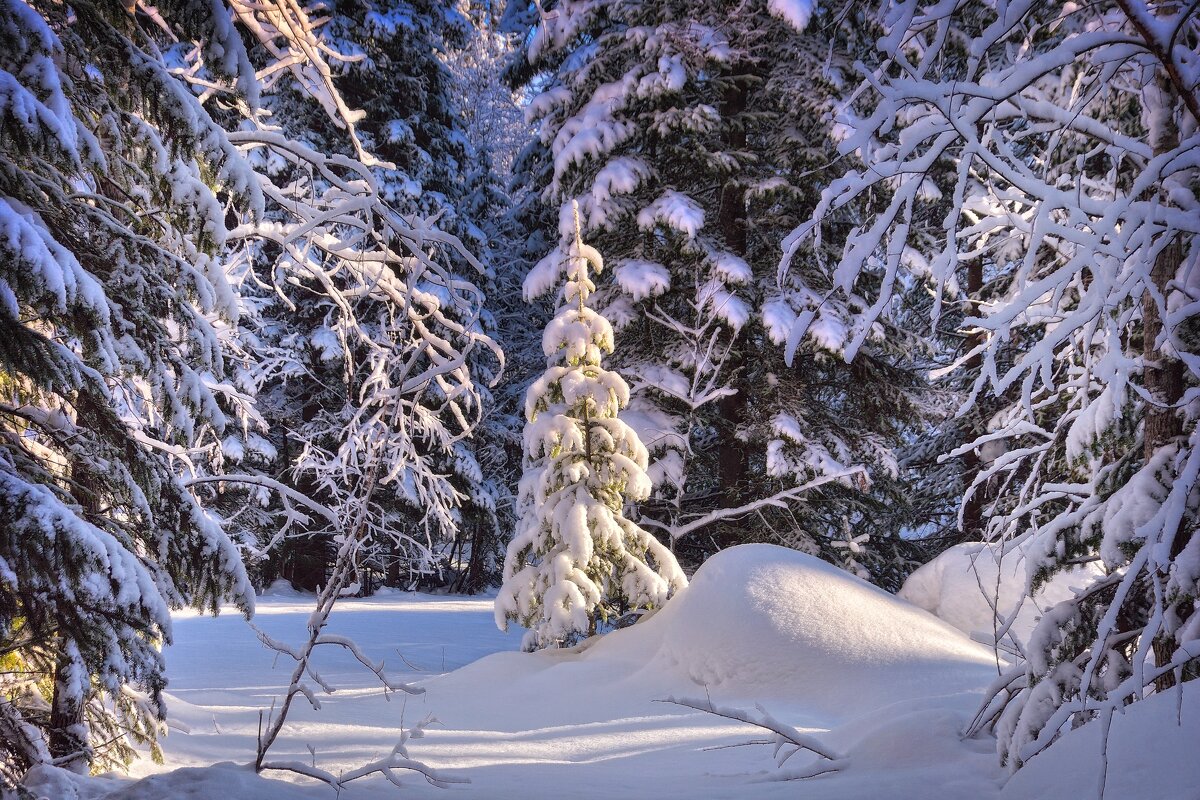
(576, 558)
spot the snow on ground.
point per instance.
(969, 582)
(1150, 753)
(871, 676)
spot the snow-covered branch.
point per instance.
(786, 739)
(389, 766)
(1087, 224)
(780, 499)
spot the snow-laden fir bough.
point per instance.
(576, 558)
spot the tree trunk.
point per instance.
(67, 736)
(972, 511)
(731, 219)
(393, 567)
(474, 574)
(1163, 373)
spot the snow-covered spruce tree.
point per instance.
(494, 122)
(576, 560)
(406, 90)
(112, 327)
(689, 134)
(1074, 135)
(118, 188)
(818, 415)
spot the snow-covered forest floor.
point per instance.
(882, 683)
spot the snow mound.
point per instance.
(763, 621)
(282, 587)
(45, 782)
(758, 624)
(962, 585)
(223, 781)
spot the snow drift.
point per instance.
(964, 584)
(758, 623)
(865, 672)
(768, 622)
(1150, 753)
(868, 674)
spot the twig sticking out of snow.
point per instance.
(352, 539)
(787, 740)
(388, 766)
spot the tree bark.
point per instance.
(972, 511)
(473, 581)
(393, 567)
(67, 740)
(732, 463)
(1163, 374)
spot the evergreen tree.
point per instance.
(114, 316)
(319, 354)
(576, 559)
(690, 133)
(495, 131)
(135, 226)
